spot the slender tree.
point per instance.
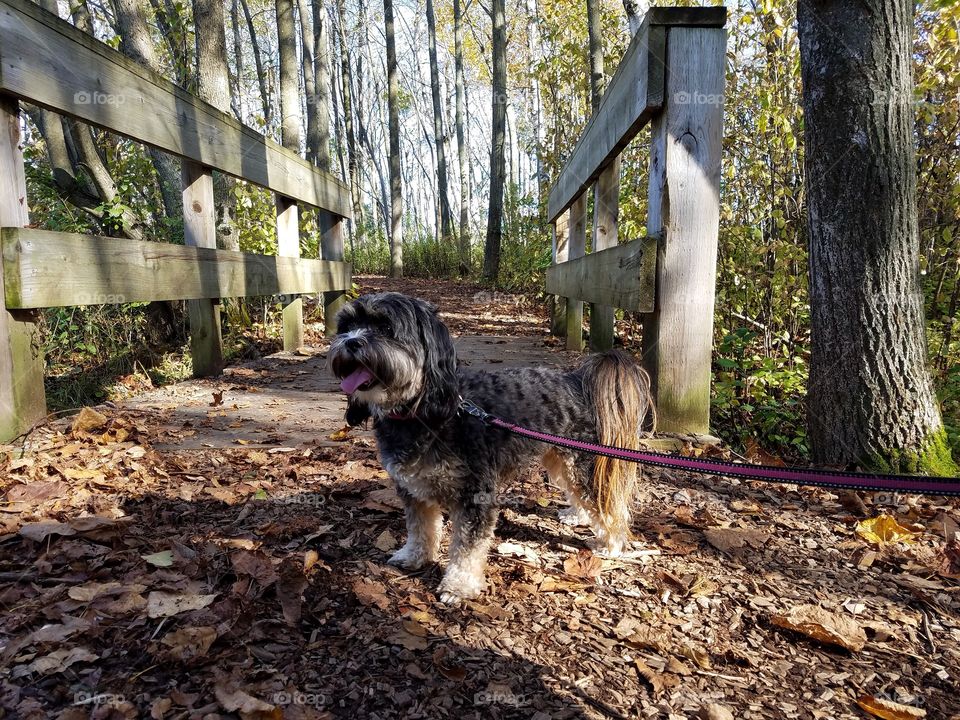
(439, 137)
(491, 249)
(635, 10)
(870, 395)
(213, 85)
(346, 92)
(258, 61)
(396, 177)
(460, 113)
(290, 122)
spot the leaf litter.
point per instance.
(150, 572)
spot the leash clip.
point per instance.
(471, 409)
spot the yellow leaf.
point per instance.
(884, 529)
(889, 710)
(341, 434)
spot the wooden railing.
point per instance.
(48, 62)
(672, 76)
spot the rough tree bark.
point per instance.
(213, 85)
(870, 396)
(635, 10)
(491, 248)
(346, 93)
(258, 61)
(290, 123)
(396, 178)
(439, 137)
(460, 118)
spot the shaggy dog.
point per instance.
(396, 361)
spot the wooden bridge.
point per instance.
(671, 76)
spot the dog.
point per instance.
(397, 363)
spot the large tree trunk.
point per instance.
(396, 178)
(491, 248)
(137, 43)
(308, 63)
(213, 85)
(460, 118)
(290, 123)
(870, 396)
(439, 138)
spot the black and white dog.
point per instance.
(396, 361)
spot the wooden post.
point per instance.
(576, 247)
(331, 248)
(22, 401)
(606, 210)
(684, 214)
(200, 230)
(288, 245)
(558, 309)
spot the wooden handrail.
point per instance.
(47, 61)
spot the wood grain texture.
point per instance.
(22, 400)
(49, 62)
(50, 269)
(684, 210)
(621, 277)
(606, 212)
(331, 248)
(558, 304)
(288, 245)
(632, 97)
(576, 247)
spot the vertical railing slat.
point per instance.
(606, 211)
(200, 230)
(288, 245)
(576, 247)
(331, 248)
(22, 401)
(560, 250)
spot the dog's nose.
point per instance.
(353, 344)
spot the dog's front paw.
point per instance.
(458, 585)
(409, 558)
(607, 548)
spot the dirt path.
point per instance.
(216, 550)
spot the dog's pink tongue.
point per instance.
(355, 379)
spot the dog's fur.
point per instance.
(443, 459)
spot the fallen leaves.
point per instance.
(189, 643)
(890, 710)
(883, 530)
(167, 604)
(583, 565)
(731, 540)
(88, 420)
(823, 626)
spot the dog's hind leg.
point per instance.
(424, 523)
(473, 523)
(560, 469)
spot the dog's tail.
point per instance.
(619, 391)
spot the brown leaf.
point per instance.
(189, 643)
(823, 626)
(88, 419)
(407, 639)
(949, 565)
(889, 710)
(584, 564)
(255, 564)
(370, 592)
(57, 661)
(290, 590)
(217, 398)
(167, 604)
(730, 540)
(92, 590)
(233, 699)
(40, 531)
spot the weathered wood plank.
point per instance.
(331, 248)
(200, 231)
(606, 211)
(51, 269)
(621, 276)
(631, 98)
(49, 62)
(684, 209)
(288, 245)
(558, 308)
(22, 400)
(576, 247)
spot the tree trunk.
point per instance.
(213, 85)
(258, 61)
(290, 123)
(635, 10)
(491, 249)
(137, 44)
(310, 83)
(346, 93)
(462, 149)
(396, 181)
(439, 138)
(870, 396)
(596, 53)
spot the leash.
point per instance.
(916, 484)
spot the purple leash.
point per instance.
(917, 484)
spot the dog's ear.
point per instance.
(357, 413)
(440, 363)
